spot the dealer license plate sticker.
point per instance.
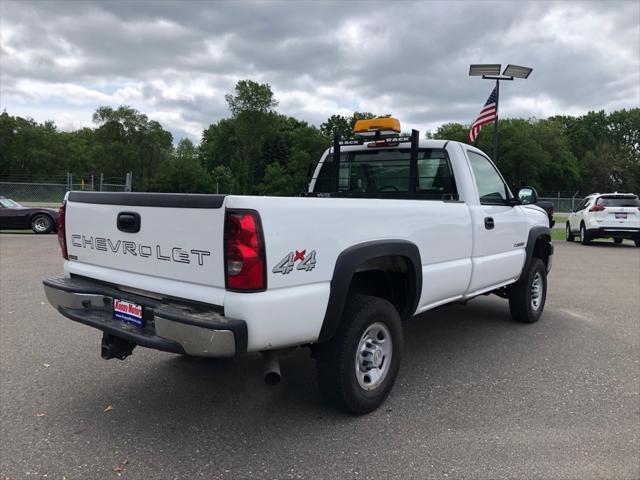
(621, 216)
(127, 312)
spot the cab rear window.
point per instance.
(387, 172)
(618, 201)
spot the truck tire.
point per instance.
(527, 297)
(41, 223)
(357, 368)
(585, 238)
(568, 235)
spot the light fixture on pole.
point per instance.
(492, 72)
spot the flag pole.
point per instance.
(495, 128)
(491, 71)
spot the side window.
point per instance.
(583, 204)
(491, 188)
(435, 175)
(325, 179)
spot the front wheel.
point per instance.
(41, 223)
(617, 240)
(528, 296)
(568, 235)
(357, 368)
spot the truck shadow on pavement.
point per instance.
(209, 396)
(605, 243)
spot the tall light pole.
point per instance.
(492, 72)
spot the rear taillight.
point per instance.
(596, 208)
(62, 240)
(245, 264)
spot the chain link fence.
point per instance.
(50, 191)
(563, 202)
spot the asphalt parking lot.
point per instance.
(478, 396)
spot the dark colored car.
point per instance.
(548, 207)
(15, 216)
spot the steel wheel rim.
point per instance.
(41, 224)
(373, 356)
(536, 291)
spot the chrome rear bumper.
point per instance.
(168, 325)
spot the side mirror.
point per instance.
(527, 195)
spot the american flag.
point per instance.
(487, 115)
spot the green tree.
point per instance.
(251, 97)
(259, 150)
(336, 124)
(186, 150)
(182, 172)
(343, 126)
(307, 146)
(222, 180)
(276, 181)
(252, 109)
(560, 169)
(129, 141)
(219, 144)
(30, 148)
(450, 131)
(363, 116)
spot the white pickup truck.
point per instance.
(393, 228)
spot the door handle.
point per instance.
(129, 222)
(489, 223)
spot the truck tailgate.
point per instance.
(176, 237)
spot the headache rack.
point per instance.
(381, 141)
(378, 141)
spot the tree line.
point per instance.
(257, 150)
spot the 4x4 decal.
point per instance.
(307, 262)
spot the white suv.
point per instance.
(606, 215)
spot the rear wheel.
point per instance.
(617, 241)
(528, 296)
(584, 235)
(41, 223)
(568, 235)
(358, 366)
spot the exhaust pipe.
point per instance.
(271, 367)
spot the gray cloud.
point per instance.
(176, 60)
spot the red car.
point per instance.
(15, 216)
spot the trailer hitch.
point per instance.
(115, 347)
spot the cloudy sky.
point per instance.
(175, 61)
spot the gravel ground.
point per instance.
(478, 396)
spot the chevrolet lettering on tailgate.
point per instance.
(125, 247)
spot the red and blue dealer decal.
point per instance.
(127, 312)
